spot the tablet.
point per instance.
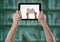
(29, 10)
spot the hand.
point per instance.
(17, 17)
(42, 17)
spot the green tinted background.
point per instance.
(30, 30)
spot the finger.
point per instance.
(45, 17)
(41, 12)
(16, 11)
(19, 12)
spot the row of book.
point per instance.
(53, 4)
(30, 22)
(22, 22)
(30, 35)
(8, 20)
(1, 19)
(55, 33)
(14, 3)
(54, 18)
(1, 35)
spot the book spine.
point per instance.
(49, 4)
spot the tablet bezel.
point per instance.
(29, 4)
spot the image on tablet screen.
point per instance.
(29, 11)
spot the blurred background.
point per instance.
(30, 30)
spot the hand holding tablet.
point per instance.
(29, 10)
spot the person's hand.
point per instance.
(17, 17)
(42, 18)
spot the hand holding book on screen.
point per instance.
(31, 11)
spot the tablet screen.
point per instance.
(29, 11)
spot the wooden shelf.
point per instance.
(11, 9)
(53, 9)
(31, 25)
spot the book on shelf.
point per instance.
(29, 22)
(29, 37)
(5, 35)
(53, 4)
(57, 19)
(49, 19)
(43, 36)
(53, 18)
(23, 1)
(7, 21)
(17, 36)
(0, 34)
(5, 32)
(10, 21)
(27, 1)
(20, 35)
(1, 19)
(8, 3)
(43, 4)
(58, 37)
(1, 3)
(49, 4)
(22, 22)
(34, 1)
(55, 33)
(8, 18)
(37, 35)
(57, 4)
(15, 2)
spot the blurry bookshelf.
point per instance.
(1, 19)
(42, 36)
(28, 29)
(53, 4)
(54, 18)
(56, 33)
(0, 35)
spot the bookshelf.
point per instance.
(30, 27)
(53, 4)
